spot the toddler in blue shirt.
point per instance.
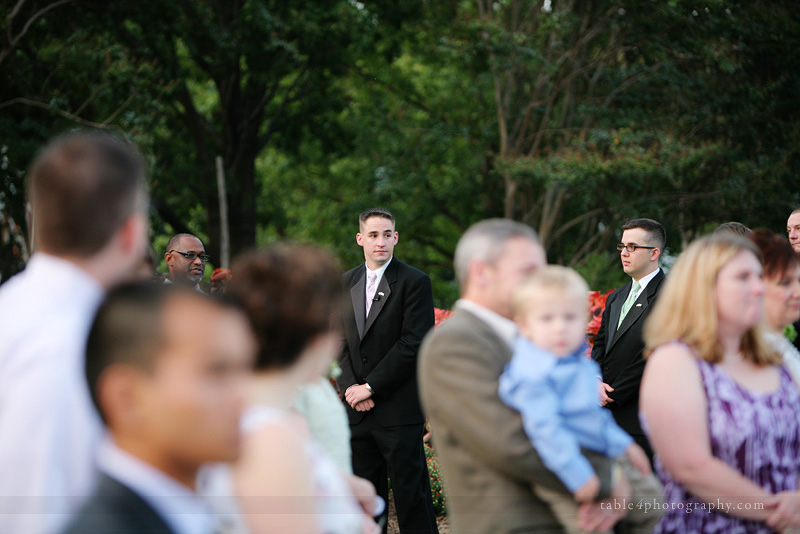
(553, 384)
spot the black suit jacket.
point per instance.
(116, 509)
(382, 349)
(619, 352)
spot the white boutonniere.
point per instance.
(335, 371)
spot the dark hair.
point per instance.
(375, 212)
(82, 188)
(655, 232)
(733, 227)
(776, 252)
(128, 328)
(173, 241)
(290, 293)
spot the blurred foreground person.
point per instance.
(722, 413)
(781, 295)
(552, 384)
(283, 481)
(89, 206)
(489, 464)
(167, 370)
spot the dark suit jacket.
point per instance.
(382, 349)
(488, 462)
(115, 509)
(619, 352)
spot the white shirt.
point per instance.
(379, 272)
(182, 509)
(49, 428)
(784, 347)
(644, 281)
(503, 326)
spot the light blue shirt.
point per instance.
(558, 401)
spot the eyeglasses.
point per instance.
(191, 256)
(631, 248)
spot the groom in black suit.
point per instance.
(167, 370)
(618, 346)
(391, 311)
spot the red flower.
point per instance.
(597, 304)
(440, 315)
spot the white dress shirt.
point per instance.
(379, 272)
(48, 427)
(504, 327)
(644, 281)
(181, 508)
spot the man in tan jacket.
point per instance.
(487, 461)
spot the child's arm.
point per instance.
(638, 458)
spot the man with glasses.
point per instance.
(618, 346)
(186, 259)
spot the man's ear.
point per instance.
(477, 273)
(396, 237)
(359, 239)
(656, 252)
(132, 234)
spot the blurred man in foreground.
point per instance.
(89, 207)
(167, 370)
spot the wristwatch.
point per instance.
(369, 388)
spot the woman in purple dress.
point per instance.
(722, 414)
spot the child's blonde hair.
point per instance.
(555, 277)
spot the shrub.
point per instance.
(437, 485)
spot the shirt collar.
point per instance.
(177, 505)
(646, 279)
(67, 276)
(379, 271)
(502, 326)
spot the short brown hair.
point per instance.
(375, 212)
(655, 231)
(733, 227)
(291, 293)
(776, 252)
(129, 328)
(82, 187)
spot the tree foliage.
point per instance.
(569, 115)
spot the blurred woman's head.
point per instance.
(714, 290)
(292, 296)
(781, 278)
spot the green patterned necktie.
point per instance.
(626, 307)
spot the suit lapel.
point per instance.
(384, 286)
(358, 297)
(613, 316)
(636, 311)
(140, 515)
(638, 308)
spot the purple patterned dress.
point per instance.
(758, 434)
